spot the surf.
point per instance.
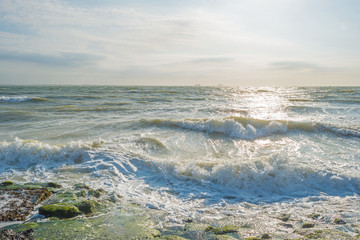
(251, 128)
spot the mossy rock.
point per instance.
(95, 193)
(314, 216)
(114, 197)
(223, 237)
(155, 233)
(81, 186)
(308, 225)
(222, 230)
(7, 183)
(339, 221)
(173, 237)
(328, 234)
(26, 226)
(87, 206)
(82, 193)
(67, 196)
(253, 238)
(266, 236)
(113, 225)
(53, 185)
(60, 210)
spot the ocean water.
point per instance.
(245, 155)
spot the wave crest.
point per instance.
(250, 128)
(25, 153)
(17, 99)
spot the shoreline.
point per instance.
(105, 215)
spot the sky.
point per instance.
(187, 42)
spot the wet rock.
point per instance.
(189, 220)
(114, 197)
(53, 185)
(173, 237)
(314, 216)
(155, 233)
(222, 230)
(308, 225)
(6, 183)
(284, 217)
(60, 210)
(26, 226)
(95, 193)
(82, 193)
(87, 206)
(328, 234)
(81, 186)
(287, 225)
(66, 196)
(18, 203)
(266, 236)
(10, 234)
(223, 237)
(339, 221)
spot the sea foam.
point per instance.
(17, 99)
(250, 128)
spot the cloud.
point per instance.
(213, 60)
(294, 66)
(60, 60)
(164, 39)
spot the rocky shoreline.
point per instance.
(49, 211)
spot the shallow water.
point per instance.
(245, 155)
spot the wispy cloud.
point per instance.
(294, 66)
(223, 39)
(212, 60)
(61, 60)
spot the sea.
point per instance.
(245, 154)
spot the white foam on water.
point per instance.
(202, 189)
(250, 128)
(15, 99)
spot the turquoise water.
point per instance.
(201, 152)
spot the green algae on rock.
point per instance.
(60, 210)
(6, 183)
(82, 193)
(325, 234)
(114, 225)
(308, 225)
(172, 237)
(95, 193)
(339, 221)
(223, 237)
(53, 185)
(81, 186)
(222, 230)
(87, 206)
(26, 226)
(314, 216)
(66, 196)
(266, 236)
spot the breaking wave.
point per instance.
(273, 179)
(250, 128)
(25, 153)
(17, 99)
